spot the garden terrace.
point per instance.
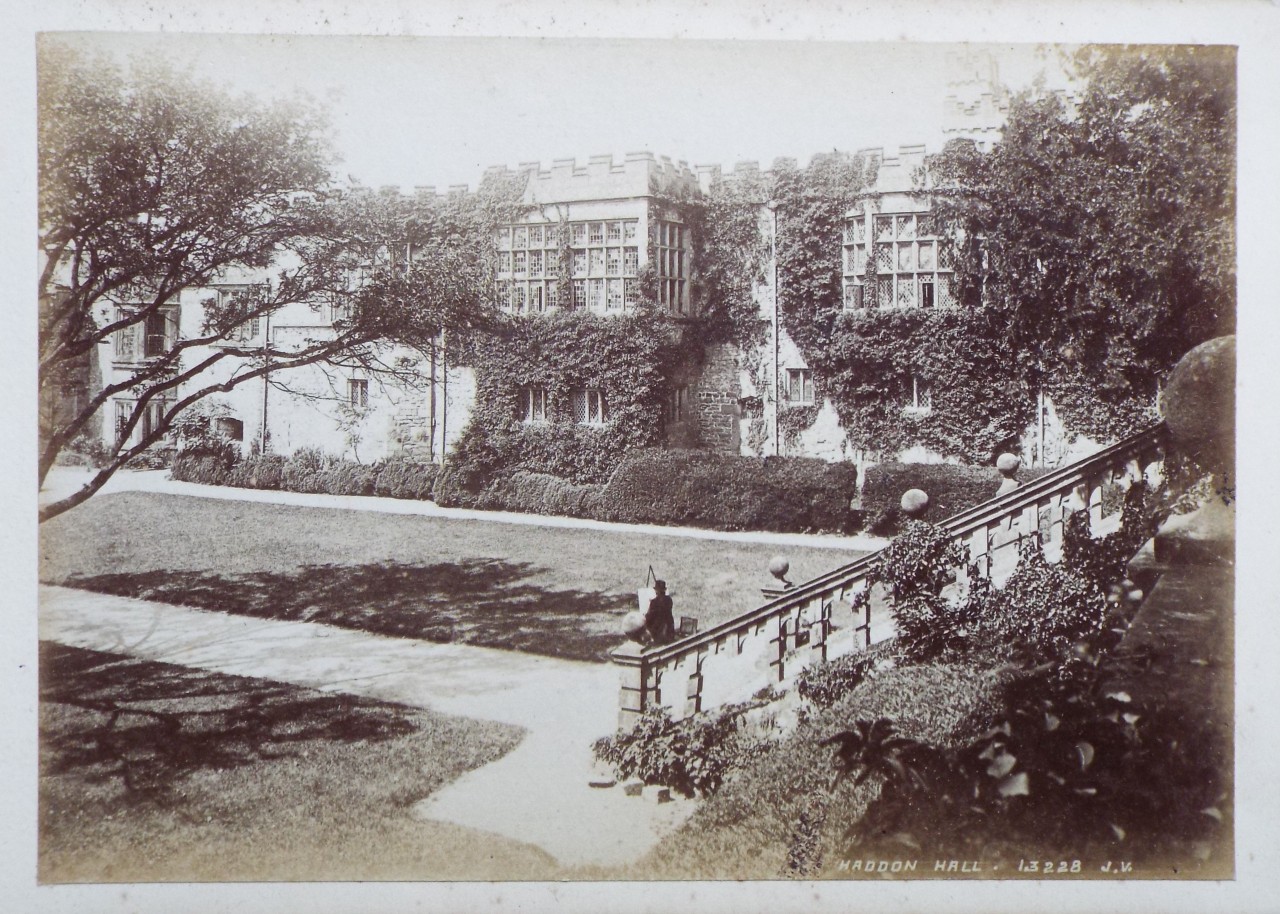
(733, 659)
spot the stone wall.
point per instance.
(714, 400)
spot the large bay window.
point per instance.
(529, 257)
(913, 265)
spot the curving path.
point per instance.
(538, 793)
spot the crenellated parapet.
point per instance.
(600, 177)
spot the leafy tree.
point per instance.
(152, 182)
(1104, 235)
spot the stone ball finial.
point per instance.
(915, 502)
(779, 566)
(1199, 403)
(1008, 465)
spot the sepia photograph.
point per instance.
(503, 459)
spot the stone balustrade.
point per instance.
(815, 621)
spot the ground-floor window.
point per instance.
(150, 419)
(918, 396)
(533, 404)
(358, 392)
(799, 388)
(589, 407)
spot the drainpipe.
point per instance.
(444, 396)
(431, 406)
(777, 304)
(266, 356)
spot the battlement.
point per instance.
(599, 177)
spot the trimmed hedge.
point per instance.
(700, 489)
(306, 471)
(951, 489)
(671, 488)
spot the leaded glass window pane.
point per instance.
(884, 257)
(926, 255)
(926, 226)
(597, 262)
(521, 236)
(884, 228)
(848, 233)
(906, 291)
(535, 236)
(517, 297)
(579, 293)
(631, 261)
(615, 231)
(520, 263)
(631, 292)
(906, 256)
(926, 292)
(579, 263)
(946, 255)
(945, 293)
(579, 231)
(504, 262)
(535, 263)
(552, 298)
(629, 230)
(552, 236)
(615, 294)
(596, 233)
(906, 228)
(884, 291)
(535, 297)
(595, 290)
(613, 261)
(860, 264)
(860, 230)
(504, 236)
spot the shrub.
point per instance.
(1104, 560)
(691, 756)
(1042, 609)
(951, 489)
(724, 492)
(823, 684)
(1072, 767)
(400, 478)
(218, 463)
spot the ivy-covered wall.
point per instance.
(630, 358)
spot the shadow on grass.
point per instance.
(149, 726)
(483, 602)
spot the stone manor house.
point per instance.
(615, 228)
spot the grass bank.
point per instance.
(780, 817)
(152, 772)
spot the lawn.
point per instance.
(559, 592)
(153, 772)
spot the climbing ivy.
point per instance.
(865, 362)
(630, 358)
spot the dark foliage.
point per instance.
(692, 755)
(951, 488)
(732, 493)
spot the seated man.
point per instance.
(658, 621)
